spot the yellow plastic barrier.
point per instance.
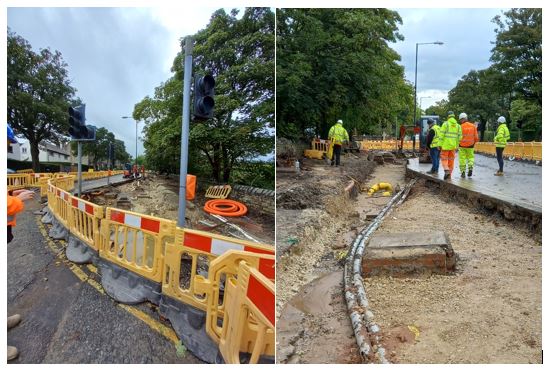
(135, 241)
(227, 265)
(527, 151)
(248, 324)
(62, 205)
(25, 171)
(321, 145)
(18, 181)
(220, 191)
(537, 151)
(198, 249)
(84, 221)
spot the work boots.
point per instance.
(469, 172)
(499, 173)
(12, 352)
(447, 175)
(13, 320)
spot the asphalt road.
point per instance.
(66, 316)
(521, 183)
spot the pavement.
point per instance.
(520, 185)
(101, 182)
(67, 317)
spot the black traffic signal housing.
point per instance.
(204, 92)
(519, 124)
(78, 129)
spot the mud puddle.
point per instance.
(314, 328)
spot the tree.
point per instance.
(239, 53)
(517, 54)
(97, 150)
(38, 94)
(336, 63)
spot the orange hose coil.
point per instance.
(225, 207)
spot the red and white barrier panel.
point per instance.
(135, 221)
(81, 205)
(217, 246)
(262, 297)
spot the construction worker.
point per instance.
(501, 138)
(450, 135)
(466, 145)
(16, 204)
(337, 135)
(433, 143)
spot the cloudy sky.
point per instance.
(117, 56)
(467, 35)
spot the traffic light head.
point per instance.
(78, 129)
(204, 92)
(77, 119)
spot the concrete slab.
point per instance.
(521, 184)
(411, 253)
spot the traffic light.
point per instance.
(519, 124)
(204, 91)
(77, 119)
(78, 129)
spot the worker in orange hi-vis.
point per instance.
(466, 146)
(450, 136)
(16, 204)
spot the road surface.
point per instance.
(521, 183)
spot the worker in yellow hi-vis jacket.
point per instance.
(337, 136)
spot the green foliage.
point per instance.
(256, 174)
(512, 85)
(336, 63)
(38, 93)
(98, 149)
(240, 55)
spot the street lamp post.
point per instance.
(136, 136)
(416, 64)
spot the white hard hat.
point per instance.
(501, 120)
(339, 122)
(463, 116)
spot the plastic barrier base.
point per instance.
(59, 231)
(127, 287)
(79, 252)
(189, 325)
(48, 217)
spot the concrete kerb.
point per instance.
(528, 218)
(47, 218)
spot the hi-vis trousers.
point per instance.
(466, 156)
(448, 160)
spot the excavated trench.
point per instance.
(418, 319)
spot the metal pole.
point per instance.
(79, 169)
(136, 142)
(415, 105)
(184, 132)
(108, 164)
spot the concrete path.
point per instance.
(521, 183)
(101, 182)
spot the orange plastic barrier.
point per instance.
(190, 187)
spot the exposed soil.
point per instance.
(159, 196)
(316, 222)
(489, 311)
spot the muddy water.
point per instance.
(314, 326)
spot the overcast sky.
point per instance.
(467, 35)
(117, 56)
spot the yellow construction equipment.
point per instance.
(379, 186)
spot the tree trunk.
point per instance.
(216, 165)
(35, 154)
